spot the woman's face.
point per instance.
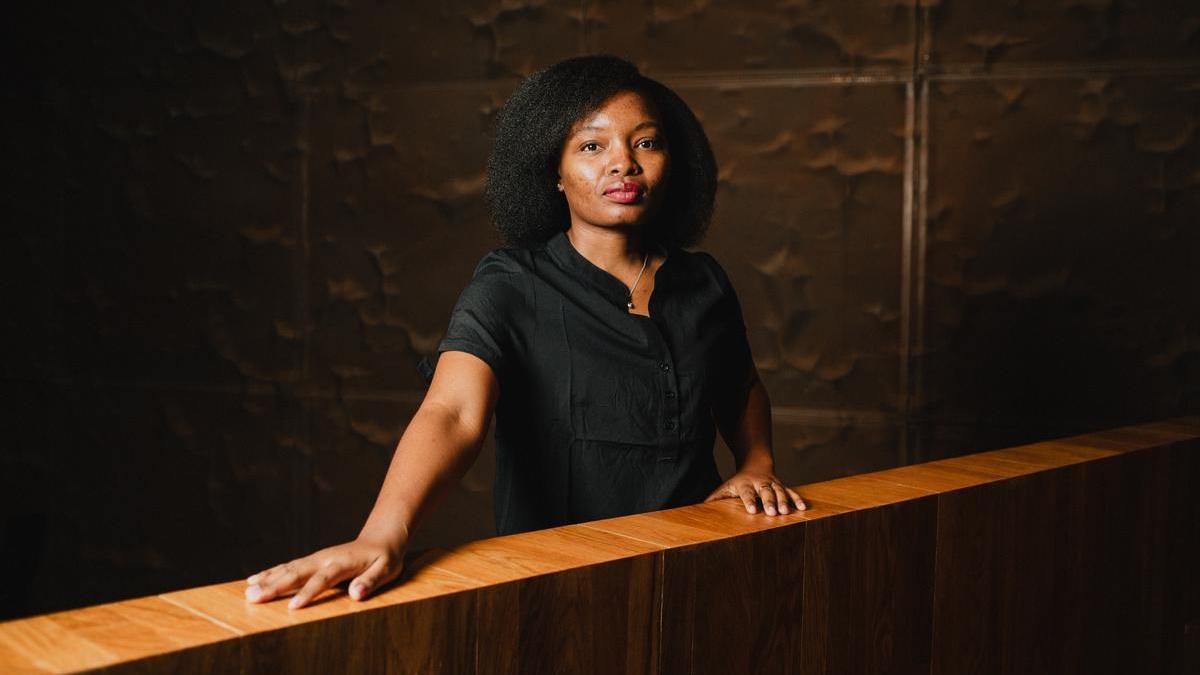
(614, 164)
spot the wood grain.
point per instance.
(599, 618)
(92, 637)
(734, 605)
(708, 522)
(1033, 569)
(868, 588)
(1181, 648)
(1073, 555)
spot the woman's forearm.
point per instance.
(747, 430)
(434, 452)
(439, 445)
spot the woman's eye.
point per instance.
(586, 146)
(650, 142)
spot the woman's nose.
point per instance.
(622, 161)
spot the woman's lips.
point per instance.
(625, 196)
(624, 193)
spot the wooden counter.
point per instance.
(1077, 555)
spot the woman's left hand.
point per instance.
(751, 485)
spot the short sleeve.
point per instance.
(734, 363)
(484, 319)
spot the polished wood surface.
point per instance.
(1076, 555)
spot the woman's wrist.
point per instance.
(757, 459)
(392, 535)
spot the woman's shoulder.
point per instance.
(503, 275)
(703, 264)
(694, 257)
(698, 257)
(506, 260)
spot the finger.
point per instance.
(781, 498)
(278, 583)
(796, 498)
(767, 494)
(283, 580)
(288, 576)
(329, 574)
(748, 499)
(260, 576)
(722, 492)
(379, 573)
(266, 574)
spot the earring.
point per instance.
(560, 187)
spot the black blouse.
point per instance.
(601, 412)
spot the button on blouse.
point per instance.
(601, 412)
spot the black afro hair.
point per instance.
(533, 124)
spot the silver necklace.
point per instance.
(629, 296)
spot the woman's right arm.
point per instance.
(440, 444)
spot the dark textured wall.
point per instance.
(235, 227)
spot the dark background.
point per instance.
(235, 227)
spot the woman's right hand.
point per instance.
(370, 563)
(438, 446)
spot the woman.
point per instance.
(608, 353)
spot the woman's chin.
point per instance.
(613, 222)
(631, 220)
(624, 225)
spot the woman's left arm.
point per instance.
(747, 432)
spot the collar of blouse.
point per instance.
(611, 287)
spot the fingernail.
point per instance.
(752, 509)
(770, 510)
(357, 591)
(804, 507)
(253, 593)
(294, 602)
(783, 510)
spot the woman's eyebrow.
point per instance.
(641, 125)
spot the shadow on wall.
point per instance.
(1060, 291)
(221, 216)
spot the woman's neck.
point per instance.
(617, 251)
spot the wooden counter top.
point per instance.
(991, 562)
